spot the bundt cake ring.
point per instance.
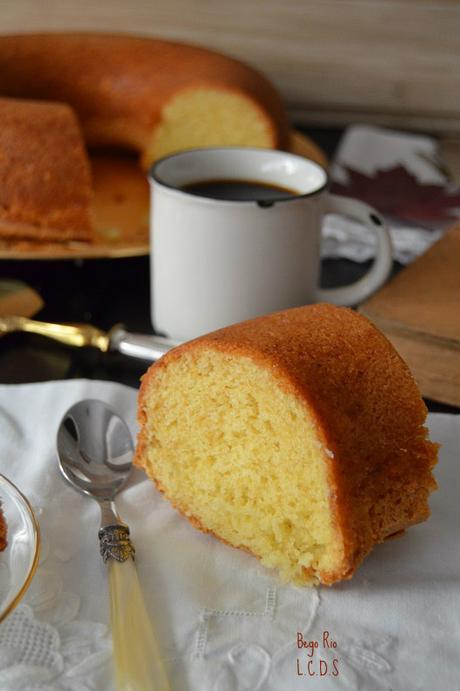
(144, 94)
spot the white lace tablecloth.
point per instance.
(224, 622)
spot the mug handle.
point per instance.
(381, 268)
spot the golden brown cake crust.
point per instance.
(45, 177)
(367, 408)
(119, 84)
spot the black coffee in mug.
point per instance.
(239, 190)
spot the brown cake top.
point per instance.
(45, 178)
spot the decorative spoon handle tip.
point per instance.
(138, 664)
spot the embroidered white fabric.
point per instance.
(224, 622)
(368, 149)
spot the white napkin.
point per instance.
(368, 149)
(224, 622)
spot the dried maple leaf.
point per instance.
(396, 192)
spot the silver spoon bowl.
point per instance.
(95, 450)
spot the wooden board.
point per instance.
(435, 366)
(391, 62)
(121, 210)
(419, 311)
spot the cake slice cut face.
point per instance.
(251, 434)
(203, 117)
(244, 461)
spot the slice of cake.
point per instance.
(45, 178)
(298, 436)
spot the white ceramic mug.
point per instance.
(216, 262)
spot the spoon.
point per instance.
(95, 450)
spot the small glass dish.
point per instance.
(19, 559)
